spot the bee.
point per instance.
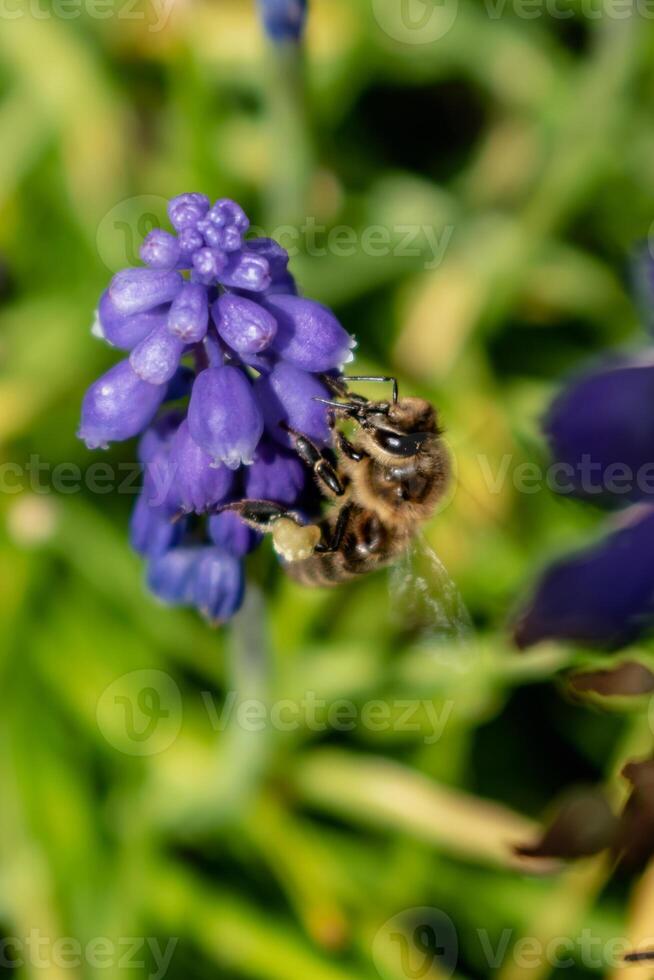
(382, 484)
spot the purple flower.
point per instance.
(196, 484)
(160, 250)
(283, 19)
(186, 210)
(118, 406)
(152, 532)
(600, 430)
(138, 290)
(157, 357)
(275, 475)
(281, 280)
(308, 334)
(601, 433)
(218, 584)
(224, 417)
(229, 533)
(125, 332)
(171, 575)
(287, 395)
(603, 596)
(246, 270)
(243, 324)
(214, 323)
(201, 576)
(208, 264)
(189, 313)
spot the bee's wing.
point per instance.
(424, 599)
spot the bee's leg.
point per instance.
(292, 540)
(260, 515)
(323, 469)
(339, 530)
(346, 447)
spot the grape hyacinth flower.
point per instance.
(601, 435)
(283, 20)
(220, 352)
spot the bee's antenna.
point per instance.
(379, 378)
(349, 407)
(637, 957)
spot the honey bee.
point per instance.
(382, 484)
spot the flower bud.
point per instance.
(137, 290)
(277, 257)
(243, 324)
(160, 250)
(125, 332)
(273, 252)
(246, 270)
(189, 313)
(228, 239)
(157, 357)
(226, 213)
(308, 334)
(118, 406)
(224, 417)
(195, 483)
(208, 264)
(186, 210)
(189, 240)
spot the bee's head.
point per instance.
(399, 429)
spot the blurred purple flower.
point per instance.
(215, 324)
(602, 596)
(283, 20)
(601, 434)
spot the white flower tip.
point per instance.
(96, 327)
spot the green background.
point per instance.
(524, 141)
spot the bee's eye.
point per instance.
(399, 445)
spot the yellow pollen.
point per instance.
(294, 542)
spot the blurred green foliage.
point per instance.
(526, 146)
